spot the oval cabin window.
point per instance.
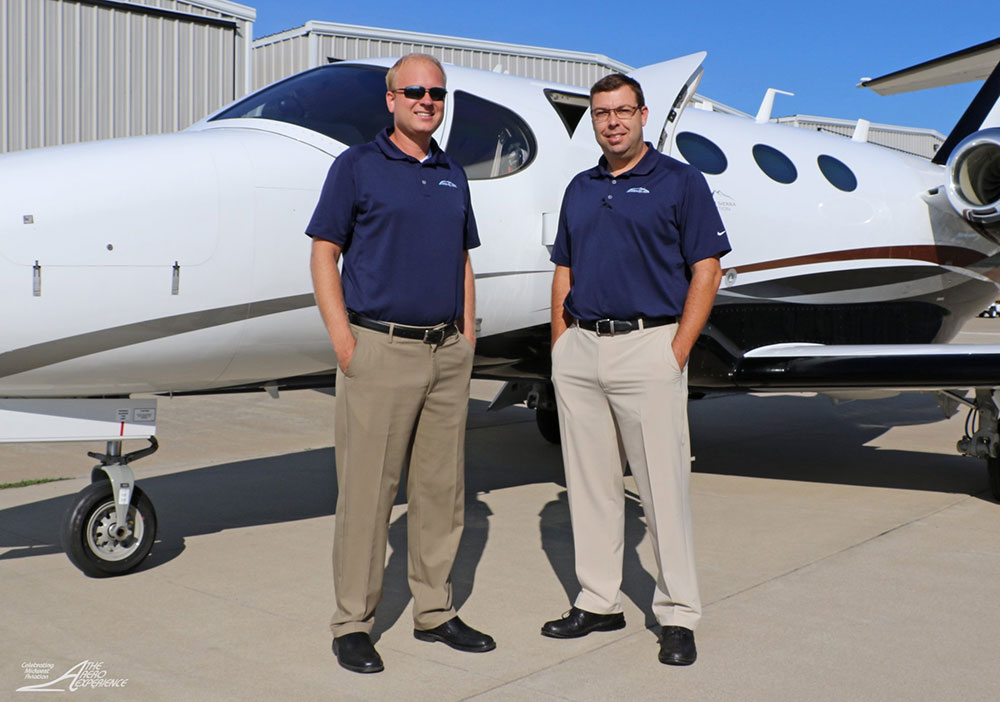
(701, 153)
(838, 173)
(775, 164)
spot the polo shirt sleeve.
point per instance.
(703, 235)
(335, 213)
(561, 248)
(471, 239)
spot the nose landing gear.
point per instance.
(110, 527)
(537, 395)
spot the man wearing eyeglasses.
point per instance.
(401, 318)
(637, 269)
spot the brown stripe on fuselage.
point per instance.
(945, 255)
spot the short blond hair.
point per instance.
(390, 77)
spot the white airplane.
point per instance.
(178, 264)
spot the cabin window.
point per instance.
(344, 102)
(571, 107)
(488, 140)
(775, 164)
(838, 173)
(701, 153)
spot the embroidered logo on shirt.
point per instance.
(448, 183)
(722, 233)
(638, 190)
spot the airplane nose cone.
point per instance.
(90, 238)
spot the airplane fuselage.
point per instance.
(178, 263)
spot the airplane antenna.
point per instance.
(861, 130)
(766, 105)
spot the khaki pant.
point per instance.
(401, 403)
(624, 398)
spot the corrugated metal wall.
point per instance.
(919, 142)
(925, 145)
(281, 55)
(78, 70)
(279, 59)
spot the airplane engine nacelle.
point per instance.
(974, 181)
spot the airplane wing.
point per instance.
(979, 62)
(817, 367)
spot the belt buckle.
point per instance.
(434, 336)
(611, 327)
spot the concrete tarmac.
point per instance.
(845, 552)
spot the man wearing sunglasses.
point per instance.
(637, 269)
(401, 318)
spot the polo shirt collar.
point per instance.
(435, 156)
(645, 166)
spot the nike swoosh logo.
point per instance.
(720, 233)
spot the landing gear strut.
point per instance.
(537, 395)
(984, 439)
(110, 527)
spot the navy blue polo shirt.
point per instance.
(402, 225)
(631, 239)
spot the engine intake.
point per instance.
(974, 181)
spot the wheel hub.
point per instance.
(110, 540)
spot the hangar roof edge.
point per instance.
(322, 27)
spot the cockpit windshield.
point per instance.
(346, 103)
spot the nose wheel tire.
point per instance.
(993, 467)
(548, 425)
(95, 542)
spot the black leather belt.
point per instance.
(610, 327)
(429, 335)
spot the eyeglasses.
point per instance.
(599, 114)
(415, 92)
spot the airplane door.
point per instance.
(513, 179)
(667, 87)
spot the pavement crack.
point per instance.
(232, 601)
(554, 664)
(829, 556)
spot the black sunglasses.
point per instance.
(415, 92)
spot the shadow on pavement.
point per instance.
(784, 437)
(502, 451)
(812, 439)
(557, 543)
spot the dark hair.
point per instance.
(615, 81)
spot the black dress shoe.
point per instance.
(580, 623)
(356, 653)
(458, 635)
(677, 646)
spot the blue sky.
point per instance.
(819, 51)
